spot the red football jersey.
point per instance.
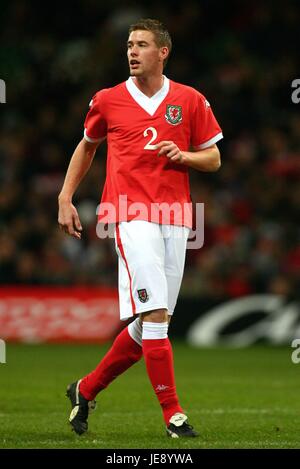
(139, 184)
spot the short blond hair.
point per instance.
(162, 37)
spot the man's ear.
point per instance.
(164, 52)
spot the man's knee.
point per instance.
(157, 315)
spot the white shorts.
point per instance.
(151, 264)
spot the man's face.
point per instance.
(144, 56)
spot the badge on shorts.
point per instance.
(143, 295)
(173, 114)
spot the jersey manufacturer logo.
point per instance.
(173, 114)
(143, 295)
(161, 387)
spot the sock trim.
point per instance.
(155, 330)
(135, 331)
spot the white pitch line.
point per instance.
(244, 410)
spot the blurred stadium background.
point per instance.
(242, 287)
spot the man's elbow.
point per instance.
(215, 162)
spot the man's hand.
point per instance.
(207, 159)
(68, 219)
(171, 150)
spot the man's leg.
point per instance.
(125, 351)
(158, 356)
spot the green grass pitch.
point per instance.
(236, 398)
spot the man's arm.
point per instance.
(203, 160)
(208, 159)
(80, 163)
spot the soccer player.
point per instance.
(155, 129)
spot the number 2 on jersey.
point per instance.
(149, 145)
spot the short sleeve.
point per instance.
(95, 126)
(205, 128)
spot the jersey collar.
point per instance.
(150, 105)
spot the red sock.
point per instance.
(158, 356)
(123, 354)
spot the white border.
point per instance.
(91, 140)
(210, 142)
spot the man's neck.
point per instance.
(150, 85)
